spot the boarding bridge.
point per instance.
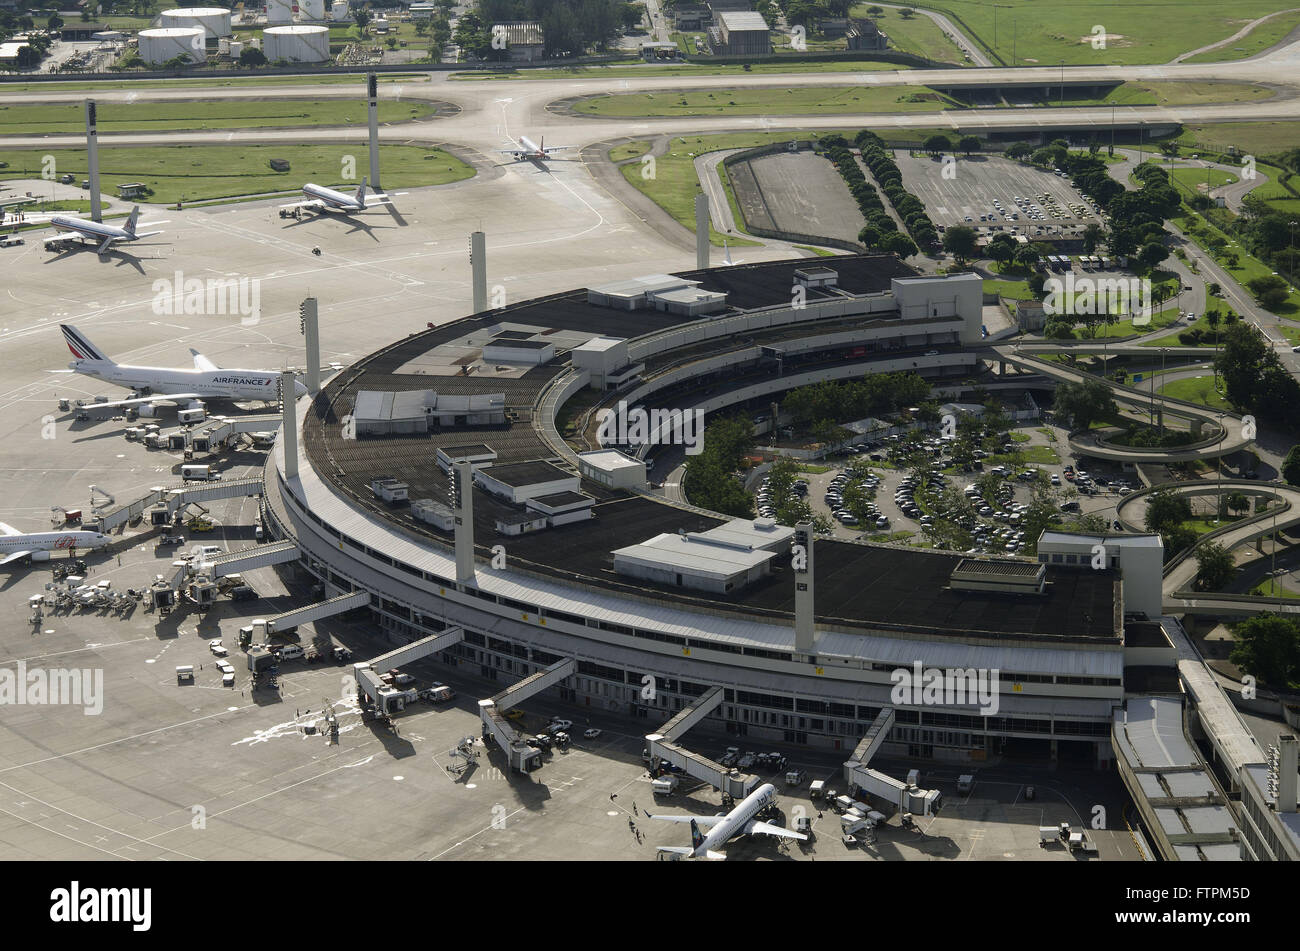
(523, 758)
(900, 795)
(874, 737)
(216, 431)
(176, 499)
(315, 612)
(261, 556)
(388, 700)
(662, 748)
(123, 514)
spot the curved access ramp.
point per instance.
(1180, 573)
(1223, 444)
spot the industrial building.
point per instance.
(866, 36)
(215, 21)
(525, 41)
(740, 34)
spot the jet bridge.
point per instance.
(110, 521)
(662, 747)
(900, 795)
(389, 700)
(316, 611)
(211, 492)
(216, 431)
(261, 556)
(523, 758)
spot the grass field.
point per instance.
(1199, 389)
(1045, 32)
(199, 114)
(683, 69)
(1250, 138)
(195, 173)
(1260, 38)
(766, 101)
(621, 153)
(918, 35)
(675, 184)
(199, 83)
(1272, 588)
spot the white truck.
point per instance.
(199, 474)
(664, 785)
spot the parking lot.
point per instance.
(995, 195)
(874, 492)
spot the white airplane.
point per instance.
(15, 545)
(81, 230)
(722, 828)
(529, 150)
(205, 381)
(320, 198)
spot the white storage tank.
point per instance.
(311, 10)
(339, 11)
(214, 20)
(279, 12)
(236, 48)
(297, 44)
(163, 45)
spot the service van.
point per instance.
(199, 474)
(290, 652)
(185, 674)
(664, 785)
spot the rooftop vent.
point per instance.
(994, 574)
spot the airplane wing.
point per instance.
(146, 234)
(311, 203)
(61, 238)
(8, 530)
(14, 557)
(766, 828)
(704, 822)
(156, 398)
(203, 363)
(558, 148)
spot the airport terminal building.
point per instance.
(639, 590)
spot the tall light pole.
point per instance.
(1292, 225)
(1163, 351)
(1062, 82)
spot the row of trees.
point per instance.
(711, 476)
(1254, 379)
(876, 394)
(910, 208)
(881, 231)
(569, 27)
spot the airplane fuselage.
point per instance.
(736, 820)
(217, 384)
(332, 198)
(52, 541)
(90, 229)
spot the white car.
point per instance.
(559, 726)
(591, 734)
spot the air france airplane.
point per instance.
(14, 545)
(531, 151)
(81, 230)
(722, 828)
(205, 381)
(327, 199)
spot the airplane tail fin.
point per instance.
(361, 192)
(129, 227)
(81, 348)
(696, 837)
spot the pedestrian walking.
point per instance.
(634, 812)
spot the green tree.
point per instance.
(1291, 466)
(362, 16)
(1268, 646)
(970, 144)
(937, 144)
(869, 237)
(895, 243)
(54, 22)
(1083, 403)
(959, 241)
(1214, 567)
(1165, 510)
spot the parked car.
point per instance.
(591, 734)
